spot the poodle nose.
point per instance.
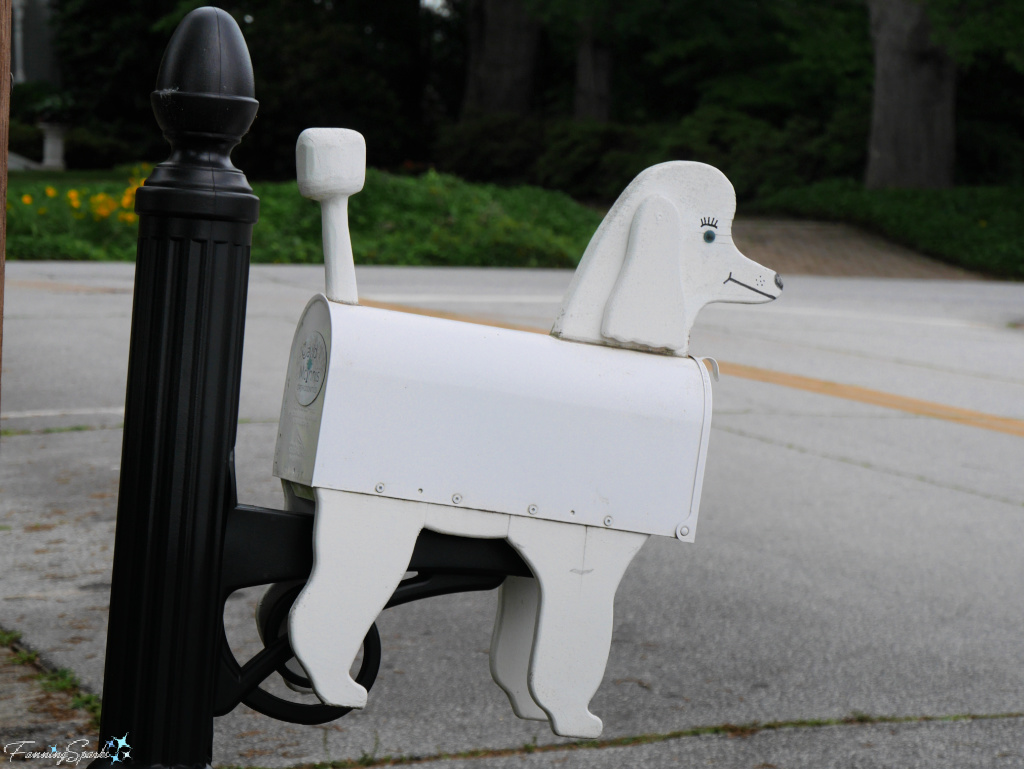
(778, 281)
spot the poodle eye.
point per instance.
(709, 221)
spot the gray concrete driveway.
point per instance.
(855, 588)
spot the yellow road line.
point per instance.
(878, 398)
(449, 316)
(809, 384)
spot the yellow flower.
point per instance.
(26, 199)
(74, 199)
(127, 216)
(102, 205)
(41, 212)
(51, 192)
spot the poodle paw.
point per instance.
(341, 691)
(584, 725)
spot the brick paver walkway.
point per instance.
(795, 247)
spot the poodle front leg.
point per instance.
(579, 569)
(361, 550)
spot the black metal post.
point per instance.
(196, 213)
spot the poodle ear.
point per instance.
(645, 309)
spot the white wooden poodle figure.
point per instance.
(575, 447)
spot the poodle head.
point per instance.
(664, 250)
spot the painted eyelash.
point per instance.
(709, 221)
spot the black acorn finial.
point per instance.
(204, 102)
(207, 54)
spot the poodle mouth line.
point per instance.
(755, 290)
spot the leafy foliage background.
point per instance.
(776, 94)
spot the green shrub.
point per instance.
(37, 101)
(26, 140)
(433, 219)
(84, 218)
(978, 228)
(491, 148)
(592, 161)
(86, 148)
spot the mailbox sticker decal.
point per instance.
(311, 368)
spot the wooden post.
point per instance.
(5, 111)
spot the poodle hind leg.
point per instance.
(512, 642)
(579, 569)
(361, 550)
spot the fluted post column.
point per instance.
(196, 213)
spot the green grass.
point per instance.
(11, 432)
(433, 219)
(25, 657)
(64, 680)
(90, 703)
(59, 680)
(978, 228)
(9, 637)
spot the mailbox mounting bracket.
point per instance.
(266, 546)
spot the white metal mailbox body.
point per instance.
(457, 414)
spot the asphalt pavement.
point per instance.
(853, 598)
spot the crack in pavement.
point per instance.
(727, 730)
(868, 466)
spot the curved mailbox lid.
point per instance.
(459, 414)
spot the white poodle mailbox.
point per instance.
(574, 447)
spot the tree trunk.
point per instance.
(503, 43)
(913, 117)
(5, 111)
(593, 76)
